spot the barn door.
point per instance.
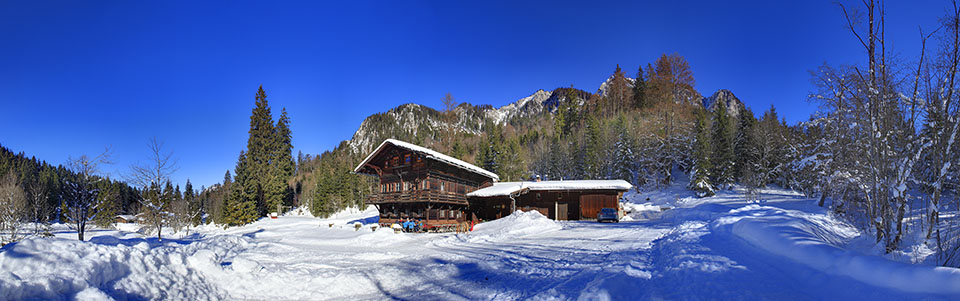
(562, 209)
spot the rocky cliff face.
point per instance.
(413, 120)
(724, 99)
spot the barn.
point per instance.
(420, 183)
(559, 200)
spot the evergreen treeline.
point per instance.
(45, 190)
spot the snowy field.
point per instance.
(713, 248)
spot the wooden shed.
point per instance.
(420, 183)
(559, 200)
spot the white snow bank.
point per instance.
(516, 225)
(507, 188)
(813, 240)
(51, 268)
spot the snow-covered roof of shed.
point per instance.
(430, 154)
(507, 188)
(127, 217)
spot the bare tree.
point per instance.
(150, 177)
(940, 104)
(13, 209)
(81, 191)
(38, 203)
(449, 103)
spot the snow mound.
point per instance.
(816, 240)
(518, 224)
(51, 268)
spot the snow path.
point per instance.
(714, 248)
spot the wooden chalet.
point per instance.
(558, 200)
(420, 183)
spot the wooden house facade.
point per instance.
(422, 184)
(558, 200)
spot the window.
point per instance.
(442, 213)
(406, 159)
(441, 186)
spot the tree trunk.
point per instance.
(898, 237)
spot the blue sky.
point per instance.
(77, 76)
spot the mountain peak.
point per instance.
(725, 99)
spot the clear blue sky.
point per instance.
(76, 76)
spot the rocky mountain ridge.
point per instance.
(413, 120)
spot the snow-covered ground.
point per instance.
(671, 246)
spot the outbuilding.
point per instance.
(558, 200)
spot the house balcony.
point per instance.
(417, 196)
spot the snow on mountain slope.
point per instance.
(724, 99)
(527, 106)
(720, 247)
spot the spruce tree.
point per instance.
(277, 190)
(490, 149)
(194, 206)
(722, 148)
(259, 153)
(592, 149)
(700, 177)
(744, 146)
(639, 87)
(624, 158)
(241, 207)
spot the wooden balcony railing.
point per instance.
(417, 196)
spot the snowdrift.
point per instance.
(516, 225)
(52, 268)
(814, 240)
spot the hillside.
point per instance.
(546, 133)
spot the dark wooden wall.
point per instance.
(579, 204)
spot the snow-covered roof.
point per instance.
(127, 217)
(507, 188)
(430, 154)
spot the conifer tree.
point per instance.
(592, 148)
(639, 87)
(489, 152)
(744, 146)
(722, 149)
(700, 176)
(194, 206)
(241, 207)
(259, 153)
(624, 159)
(278, 191)
(108, 204)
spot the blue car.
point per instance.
(608, 214)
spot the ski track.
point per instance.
(714, 248)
